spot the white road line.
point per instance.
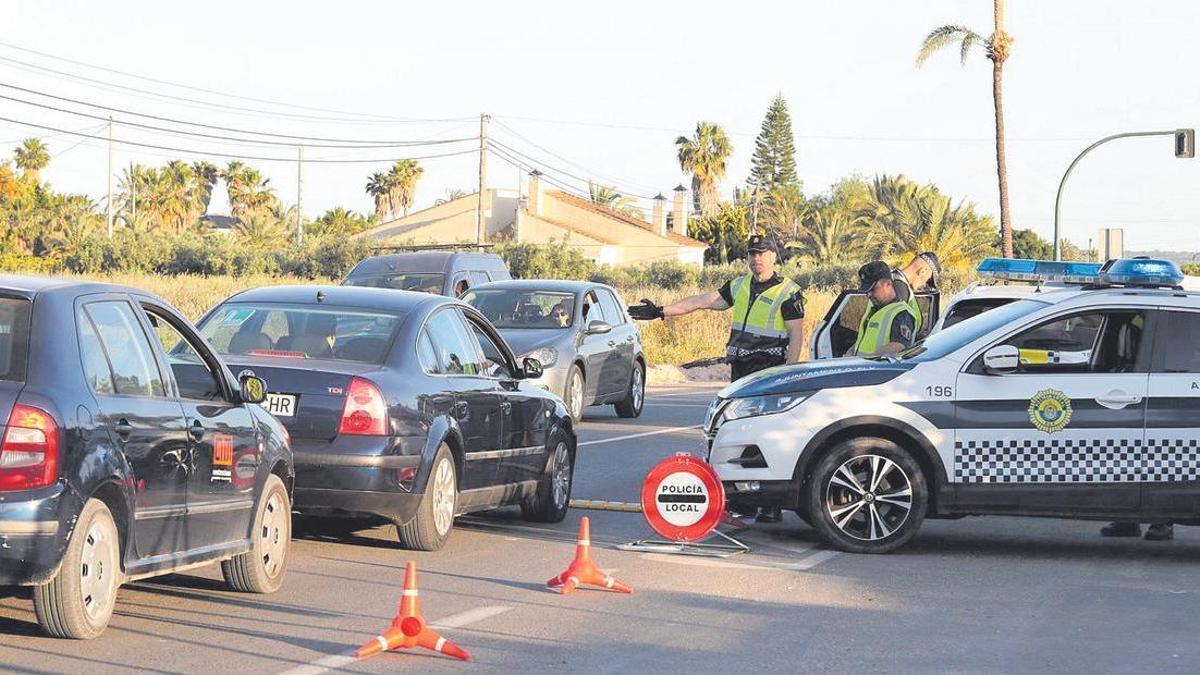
(813, 560)
(641, 435)
(336, 661)
(742, 563)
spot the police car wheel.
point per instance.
(867, 495)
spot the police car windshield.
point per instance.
(949, 339)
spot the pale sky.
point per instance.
(608, 86)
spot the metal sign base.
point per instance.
(711, 550)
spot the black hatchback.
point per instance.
(403, 406)
(128, 451)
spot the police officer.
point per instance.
(768, 318)
(890, 324)
(921, 272)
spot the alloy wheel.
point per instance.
(443, 497)
(638, 391)
(561, 480)
(869, 497)
(575, 395)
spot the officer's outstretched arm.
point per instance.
(710, 300)
(795, 329)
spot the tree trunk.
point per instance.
(1001, 164)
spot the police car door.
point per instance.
(1062, 431)
(838, 332)
(1171, 480)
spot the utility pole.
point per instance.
(132, 196)
(110, 175)
(479, 220)
(299, 187)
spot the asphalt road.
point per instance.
(979, 594)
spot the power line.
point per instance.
(198, 134)
(78, 143)
(568, 161)
(560, 171)
(199, 89)
(209, 153)
(218, 106)
(365, 143)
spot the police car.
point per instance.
(1079, 401)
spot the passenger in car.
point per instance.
(318, 337)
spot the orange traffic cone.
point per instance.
(582, 570)
(408, 629)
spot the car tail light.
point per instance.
(365, 412)
(29, 451)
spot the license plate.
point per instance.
(280, 405)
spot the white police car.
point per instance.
(1078, 402)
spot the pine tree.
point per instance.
(774, 163)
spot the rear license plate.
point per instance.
(280, 405)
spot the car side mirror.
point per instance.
(1002, 359)
(253, 389)
(531, 368)
(598, 328)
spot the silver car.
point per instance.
(590, 350)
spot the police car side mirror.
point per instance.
(1001, 359)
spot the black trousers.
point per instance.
(752, 364)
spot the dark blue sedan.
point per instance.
(128, 450)
(401, 405)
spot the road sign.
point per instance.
(682, 498)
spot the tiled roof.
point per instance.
(585, 204)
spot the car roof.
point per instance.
(428, 262)
(29, 286)
(560, 285)
(386, 299)
(1018, 291)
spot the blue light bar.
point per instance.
(1149, 272)
(1019, 269)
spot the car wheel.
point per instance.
(78, 602)
(573, 393)
(631, 406)
(867, 495)
(261, 569)
(430, 528)
(549, 503)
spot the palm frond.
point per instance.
(943, 36)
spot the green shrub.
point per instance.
(547, 261)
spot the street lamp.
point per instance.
(1185, 147)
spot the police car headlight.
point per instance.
(547, 356)
(741, 408)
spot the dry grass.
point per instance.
(194, 295)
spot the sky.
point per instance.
(602, 90)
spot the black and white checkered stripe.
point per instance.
(1078, 460)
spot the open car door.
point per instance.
(838, 331)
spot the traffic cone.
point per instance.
(582, 570)
(408, 628)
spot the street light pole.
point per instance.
(1093, 146)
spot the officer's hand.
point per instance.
(646, 311)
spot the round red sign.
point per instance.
(682, 498)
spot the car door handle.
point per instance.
(461, 408)
(506, 406)
(196, 430)
(1118, 399)
(123, 428)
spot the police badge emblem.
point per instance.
(1050, 410)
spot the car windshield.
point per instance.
(423, 283)
(300, 332)
(14, 338)
(519, 308)
(966, 331)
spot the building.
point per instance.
(548, 215)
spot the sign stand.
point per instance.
(683, 500)
(713, 550)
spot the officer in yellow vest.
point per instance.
(890, 324)
(920, 273)
(768, 312)
(768, 319)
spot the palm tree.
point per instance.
(261, 230)
(451, 195)
(704, 157)
(608, 197)
(997, 48)
(785, 211)
(32, 156)
(403, 179)
(206, 175)
(377, 187)
(829, 235)
(337, 222)
(249, 192)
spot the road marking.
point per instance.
(601, 505)
(804, 564)
(813, 560)
(641, 435)
(336, 661)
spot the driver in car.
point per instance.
(560, 316)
